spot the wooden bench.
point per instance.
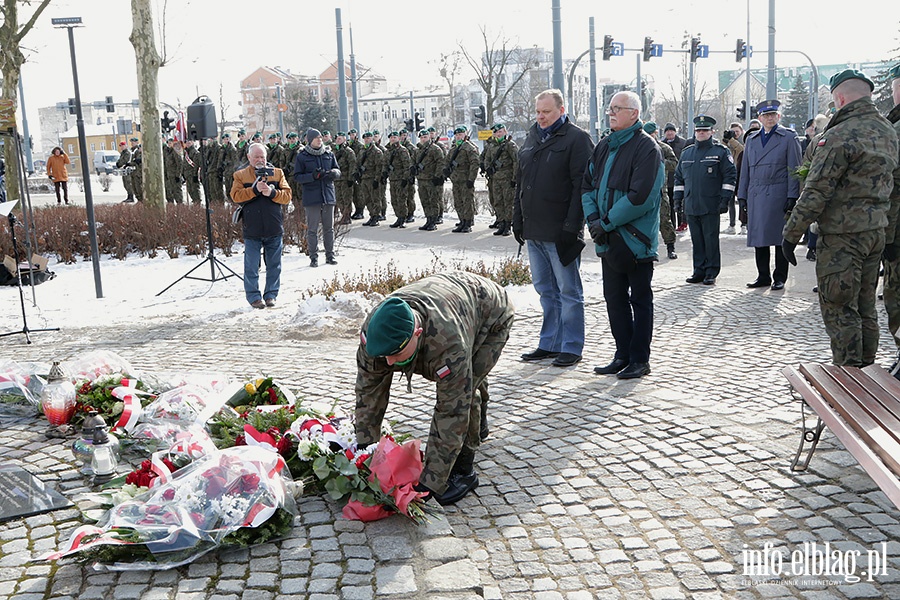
(862, 408)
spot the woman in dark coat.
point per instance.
(316, 169)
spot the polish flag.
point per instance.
(180, 128)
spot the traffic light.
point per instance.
(71, 106)
(648, 48)
(167, 122)
(742, 110)
(480, 116)
(110, 105)
(410, 125)
(754, 114)
(695, 48)
(419, 122)
(739, 51)
(607, 46)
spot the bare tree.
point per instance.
(11, 60)
(223, 108)
(448, 66)
(674, 106)
(493, 66)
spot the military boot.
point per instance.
(459, 227)
(502, 228)
(463, 479)
(372, 222)
(495, 224)
(429, 225)
(467, 226)
(670, 250)
(398, 223)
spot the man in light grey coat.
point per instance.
(769, 190)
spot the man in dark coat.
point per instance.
(315, 168)
(769, 190)
(548, 214)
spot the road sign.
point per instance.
(282, 107)
(748, 50)
(485, 134)
(703, 51)
(656, 50)
(618, 49)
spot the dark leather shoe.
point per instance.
(458, 486)
(539, 354)
(778, 285)
(694, 279)
(410, 219)
(672, 255)
(314, 262)
(270, 302)
(258, 304)
(330, 261)
(759, 283)
(709, 281)
(634, 371)
(566, 359)
(612, 368)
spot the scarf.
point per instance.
(615, 141)
(322, 149)
(546, 133)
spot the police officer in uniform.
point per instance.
(704, 184)
(848, 192)
(449, 328)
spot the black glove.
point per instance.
(787, 248)
(598, 234)
(470, 184)
(519, 235)
(413, 170)
(446, 172)
(374, 184)
(490, 171)
(411, 180)
(436, 181)
(891, 253)
(723, 207)
(333, 173)
(318, 174)
(404, 183)
(789, 204)
(677, 206)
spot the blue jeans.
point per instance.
(562, 298)
(271, 249)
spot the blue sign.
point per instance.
(618, 49)
(703, 51)
(748, 50)
(656, 50)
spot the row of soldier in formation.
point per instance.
(369, 168)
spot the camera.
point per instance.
(727, 135)
(265, 172)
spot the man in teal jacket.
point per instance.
(621, 193)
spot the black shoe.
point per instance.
(566, 359)
(439, 220)
(539, 354)
(330, 261)
(495, 224)
(373, 222)
(694, 279)
(398, 223)
(778, 285)
(759, 283)
(612, 368)
(811, 254)
(270, 302)
(314, 262)
(709, 281)
(458, 486)
(459, 227)
(466, 226)
(429, 225)
(672, 255)
(410, 219)
(357, 216)
(634, 371)
(381, 217)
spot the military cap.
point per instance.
(272, 136)
(242, 131)
(277, 134)
(704, 122)
(670, 126)
(391, 327)
(846, 74)
(376, 132)
(432, 129)
(135, 140)
(367, 134)
(291, 135)
(121, 143)
(352, 130)
(326, 132)
(894, 73)
(497, 126)
(767, 106)
(226, 135)
(394, 134)
(257, 136)
(423, 132)
(460, 129)
(340, 134)
(650, 127)
(403, 130)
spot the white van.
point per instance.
(105, 161)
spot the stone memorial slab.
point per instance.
(22, 495)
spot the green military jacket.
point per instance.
(213, 156)
(346, 160)
(485, 158)
(228, 161)
(396, 162)
(191, 162)
(429, 161)
(504, 160)
(124, 158)
(851, 175)
(462, 161)
(172, 163)
(290, 153)
(891, 235)
(371, 163)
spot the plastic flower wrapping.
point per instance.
(237, 496)
(20, 388)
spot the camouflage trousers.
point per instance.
(382, 197)
(492, 201)
(410, 191)
(429, 196)
(666, 229)
(504, 198)
(463, 200)
(129, 186)
(216, 189)
(847, 273)
(137, 182)
(359, 202)
(398, 197)
(892, 296)
(193, 189)
(174, 192)
(343, 193)
(369, 196)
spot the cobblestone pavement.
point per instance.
(591, 487)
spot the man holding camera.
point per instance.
(261, 190)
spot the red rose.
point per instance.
(170, 465)
(169, 494)
(274, 432)
(361, 460)
(215, 486)
(240, 440)
(284, 446)
(247, 484)
(273, 397)
(348, 453)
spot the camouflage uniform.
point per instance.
(214, 173)
(228, 165)
(501, 171)
(191, 167)
(275, 154)
(428, 164)
(124, 159)
(466, 321)
(137, 174)
(343, 187)
(483, 160)
(410, 190)
(666, 229)
(892, 246)
(396, 170)
(848, 192)
(461, 168)
(358, 200)
(172, 169)
(368, 170)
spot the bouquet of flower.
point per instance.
(20, 388)
(233, 496)
(802, 172)
(98, 394)
(262, 391)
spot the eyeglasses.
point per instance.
(614, 110)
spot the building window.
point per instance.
(405, 114)
(393, 114)
(71, 149)
(434, 112)
(93, 147)
(103, 145)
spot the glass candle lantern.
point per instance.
(58, 397)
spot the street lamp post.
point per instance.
(70, 23)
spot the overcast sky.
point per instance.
(211, 43)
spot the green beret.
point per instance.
(432, 129)
(391, 327)
(394, 134)
(278, 134)
(376, 132)
(367, 134)
(326, 132)
(846, 74)
(242, 132)
(460, 129)
(650, 127)
(272, 136)
(403, 130)
(704, 122)
(423, 132)
(497, 126)
(340, 134)
(291, 135)
(894, 73)
(135, 140)
(353, 130)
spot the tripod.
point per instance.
(215, 265)
(25, 330)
